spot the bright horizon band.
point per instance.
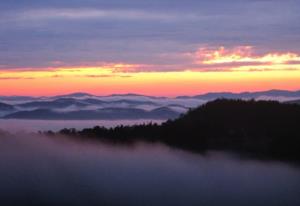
(210, 70)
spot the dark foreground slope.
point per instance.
(264, 128)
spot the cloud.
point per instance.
(107, 76)
(242, 54)
(43, 34)
(243, 58)
(295, 62)
(79, 14)
(203, 59)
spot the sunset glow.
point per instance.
(148, 48)
(123, 79)
(245, 57)
(149, 102)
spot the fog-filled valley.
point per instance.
(84, 106)
(29, 125)
(38, 170)
(224, 152)
(149, 103)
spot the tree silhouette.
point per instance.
(265, 128)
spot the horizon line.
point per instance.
(139, 94)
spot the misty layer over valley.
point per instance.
(265, 129)
(83, 106)
(38, 170)
(225, 152)
(149, 103)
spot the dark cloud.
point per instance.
(38, 33)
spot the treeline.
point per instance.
(265, 128)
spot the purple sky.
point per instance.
(39, 34)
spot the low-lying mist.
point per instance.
(15, 125)
(38, 170)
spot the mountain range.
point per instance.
(84, 106)
(262, 129)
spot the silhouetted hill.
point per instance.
(293, 102)
(264, 128)
(240, 125)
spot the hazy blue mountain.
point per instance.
(18, 98)
(66, 102)
(245, 95)
(119, 96)
(58, 103)
(135, 95)
(100, 114)
(74, 95)
(91, 106)
(6, 107)
(125, 101)
(121, 101)
(164, 113)
(93, 101)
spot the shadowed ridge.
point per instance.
(6, 107)
(263, 128)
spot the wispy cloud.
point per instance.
(106, 76)
(88, 14)
(58, 33)
(242, 54)
(243, 58)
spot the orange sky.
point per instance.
(155, 83)
(233, 70)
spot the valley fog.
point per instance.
(37, 170)
(15, 125)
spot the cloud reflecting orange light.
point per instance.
(242, 54)
(244, 58)
(241, 69)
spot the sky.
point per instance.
(152, 47)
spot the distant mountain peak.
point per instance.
(4, 106)
(78, 94)
(245, 95)
(127, 94)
